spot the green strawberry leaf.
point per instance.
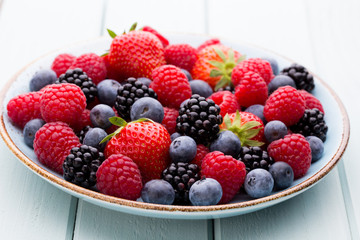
(227, 121)
(111, 33)
(252, 133)
(250, 125)
(133, 27)
(220, 53)
(143, 120)
(221, 83)
(104, 54)
(215, 73)
(242, 58)
(216, 64)
(118, 121)
(252, 143)
(231, 55)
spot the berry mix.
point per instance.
(172, 123)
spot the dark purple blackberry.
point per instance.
(81, 165)
(255, 157)
(81, 79)
(181, 176)
(200, 119)
(82, 133)
(312, 123)
(227, 88)
(128, 93)
(302, 78)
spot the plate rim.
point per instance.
(44, 173)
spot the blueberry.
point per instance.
(174, 136)
(228, 143)
(158, 191)
(100, 115)
(145, 81)
(317, 147)
(258, 110)
(275, 130)
(107, 91)
(183, 149)
(147, 107)
(274, 64)
(283, 175)
(205, 192)
(280, 81)
(259, 183)
(94, 136)
(201, 87)
(30, 129)
(187, 74)
(41, 79)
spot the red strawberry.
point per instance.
(136, 54)
(247, 126)
(163, 40)
(146, 143)
(53, 143)
(209, 42)
(201, 152)
(251, 90)
(228, 171)
(258, 65)
(61, 63)
(286, 104)
(215, 63)
(119, 176)
(92, 64)
(171, 86)
(181, 55)
(294, 150)
(24, 107)
(62, 102)
(169, 121)
(111, 73)
(311, 101)
(226, 101)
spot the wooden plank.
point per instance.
(31, 208)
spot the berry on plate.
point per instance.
(258, 110)
(201, 151)
(227, 143)
(317, 147)
(181, 55)
(280, 81)
(158, 191)
(163, 40)
(119, 176)
(41, 79)
(274, 64)
(182, 149)
(147, 107)
(61, 63)
(275, 130)
(169, 120)
(258, 183)
(30, 129)
(302, 78)
(107, 91)
(311, 101)
(100, 115)
(226, 101)
(200, 87)
(209, 42)
(93, 137)
(205, 192)
(283, 175)
(258, 65)
(255, 157)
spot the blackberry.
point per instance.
(81, 164)
(181, 176)
(302, 78)
(82, 133)
(128, 93)
(255, 157)
(227, 88)
(81, 79)
(200, 119)
(312, 123)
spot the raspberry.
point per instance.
(294, 150)
(311, 101)
(62, 102)
(53, 143)
(212, 41)
(169, 121)
(162, 39)
(92, 64)
(24, 107)
(251, 90)
(258, 65)
(119, 176)
(226, 101)
(201, 152)
(228, 171)
(171, 86)
(286, 105)
(62, 63)
(181, 55)
(83, 121)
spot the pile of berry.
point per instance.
(171, 123)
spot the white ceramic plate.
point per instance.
(337, 139)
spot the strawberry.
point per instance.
(181, 55)
(247, 126)
(135, 54)
(294, 150)
(170, 85)
(215, 64)
(111, 73)
(258, 65)
(209, 42)
(251, 90)
(226, 101)
(145, 142)
(163, 40)
(228, 171)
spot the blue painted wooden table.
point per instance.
(321, 35)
